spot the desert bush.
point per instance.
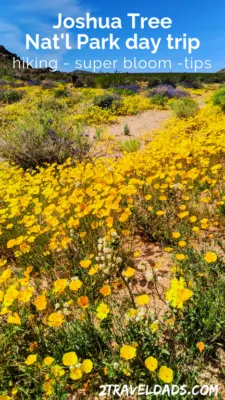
(61, 93)
(90, 82)
(103, 81)
(79, 83)
(99, 133)
(130, 146)
(178, 93)
(43, 139)
(168, 91)
(153, 82)
(47, 84)
(184, 108)
(10, 96)
(126, 90)
(168, 80)
(126, 130)
(104, 101)
(33, 83)
(123, 92)
(218, 98)
(190, 81)
(115, 107)
(159, 100)
(189, 84)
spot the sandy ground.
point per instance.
(138, 124)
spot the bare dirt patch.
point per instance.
(160, 263)
(139, 124)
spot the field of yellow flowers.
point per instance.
(77, 104)
(79, 307)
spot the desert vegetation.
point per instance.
(112, 253)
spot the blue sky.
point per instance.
(196, 18)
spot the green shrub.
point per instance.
(90, 82)
(105, 81)
(104, 101)
(116, 104)
(124, 92)
(131, 145)
(61, 93)
(219, 98)
(165, 80)
(159, 100)
(191, 84)
(98, 133)
(79, 83)
(10, 96)
(184, 108)
(153, 82)
(126, 130)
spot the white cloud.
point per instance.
(7, 28)
(52, 7)
(11, 37)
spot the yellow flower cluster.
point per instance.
(178, 293)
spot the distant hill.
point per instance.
(6, 69)
(4, 52)
(6, 65)
(6, 58)
(222, 71)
